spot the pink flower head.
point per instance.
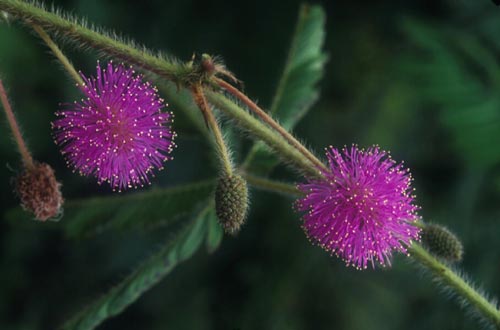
(362, 208)
(118, 133)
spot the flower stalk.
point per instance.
(222, 149)
(261, 131)
(14, 127)
(271, 122)
(449, 278)
(82, 36)
(182, 74)
(271, 185)
(277, 138)
(65, 62)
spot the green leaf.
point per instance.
(214, 232)
(177, 249)
(296, 91)
(195, 237)
(138, 210)
(457, 73)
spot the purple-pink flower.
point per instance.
(362, 209)
(119, 132)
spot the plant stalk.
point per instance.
(287, 152)
(277, 138)
(456, 283)
(59, 54)
(83, 36)
(271, 122)
(271, 185)
(222, 150)
(14, 127)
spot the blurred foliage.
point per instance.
(296, 91)
(458, 74)
(146, 210)
(176, 250)
(418, 78)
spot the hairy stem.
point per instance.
(14, 127)
(451, 279)
(182, 74)
(271, 185)
(59, 54)
(86, 37)
(222, 149)
(171, 70)
(271, 122)
(263, 132)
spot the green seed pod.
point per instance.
(231, 202)
(442, 243)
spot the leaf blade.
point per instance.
(141, 210)
(148, 274)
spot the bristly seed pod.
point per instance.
(231, 202)
(442, 243)
(39, 191)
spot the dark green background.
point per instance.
(380, 87)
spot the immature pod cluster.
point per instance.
(39, 191)
(231, 202)
(442, 243)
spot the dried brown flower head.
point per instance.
(39, 191)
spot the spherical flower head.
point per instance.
(119, 132)
(362, 209)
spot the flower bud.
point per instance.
(231, 202)
(442, 243)
(39, 191)
(208, 65)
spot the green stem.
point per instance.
(222, 149)
(456, 283)
(183, 74)
(182, 101)
(271, 185)
(271, 122)
(171, 70)
(263, 132)
(83, 36)
(59, 54)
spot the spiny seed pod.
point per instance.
(442, 243)
(39, 191)
(231, 202)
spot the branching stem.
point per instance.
(59, 54)
(83, 36)
(268, 130)
(271, 122)
(287, 152)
